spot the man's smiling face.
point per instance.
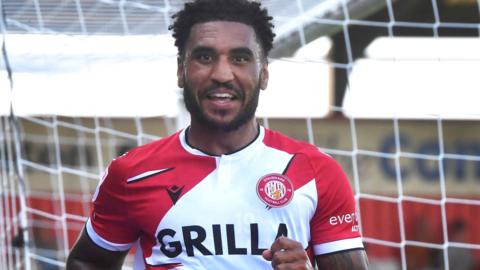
(222, 72)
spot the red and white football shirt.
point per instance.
(190, 210)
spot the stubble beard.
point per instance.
(197, 113)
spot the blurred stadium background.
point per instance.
(390, 88)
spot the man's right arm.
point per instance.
(87, 255)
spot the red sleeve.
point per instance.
(335, 217)
(109, 217)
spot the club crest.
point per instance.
(275, 190)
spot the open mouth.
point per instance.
(221, 96)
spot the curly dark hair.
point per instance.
(244, 11)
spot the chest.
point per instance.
(225, 207)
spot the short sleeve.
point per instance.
(109, 225)
(334, 226)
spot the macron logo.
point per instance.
(146, 174)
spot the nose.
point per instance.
(222, 71)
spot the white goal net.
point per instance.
(390, 88)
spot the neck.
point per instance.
(218, 142)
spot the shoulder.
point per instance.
(282, 142)
(301, 149)
(144, 157)
(170, 143)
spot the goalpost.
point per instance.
(88, 80)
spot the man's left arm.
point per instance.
(344, 260)
(286, 254)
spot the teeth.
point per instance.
(221, 95)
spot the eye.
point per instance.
(240, 59)
(204, 58)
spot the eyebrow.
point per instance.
(205, 49)
(242, 50)
(202, 49)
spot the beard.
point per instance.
(240, 119)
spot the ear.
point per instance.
(264, 76)
(180, 72)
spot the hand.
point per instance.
(287, 254)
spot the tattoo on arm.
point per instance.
(348, 260)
